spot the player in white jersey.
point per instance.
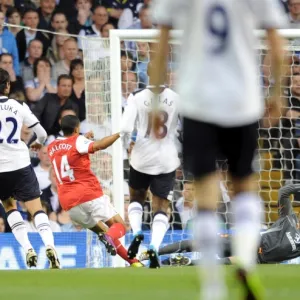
(153, 163)
(221, 103)
(18, 180)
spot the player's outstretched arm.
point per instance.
(276, 43)
(158, 72)
(31, 121)
(41, 135)
(284, 203)
(178, 247)
(275, 104)
(105, 142)
(285, 207)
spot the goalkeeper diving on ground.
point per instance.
(279, 243)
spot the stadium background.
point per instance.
(277, 159)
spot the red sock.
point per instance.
(116, 231)
(123, 252)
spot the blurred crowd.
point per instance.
(47, 71)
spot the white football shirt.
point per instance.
(14, 154)
(218, 81)
(150, 155)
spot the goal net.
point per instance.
(110, 80)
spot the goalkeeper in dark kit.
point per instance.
(279, 243)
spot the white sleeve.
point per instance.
(129, 115)
(29, 84)
(83, 145)
(80, 40)
(163, 11)
(29, 119)
(126, 19)
(269, 14)
(40, 132)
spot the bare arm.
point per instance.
(105, 142)
(50, 88)
(277, 58)
(275, 103)
(158, 72)
(34, 94)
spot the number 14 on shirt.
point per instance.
(65, 170)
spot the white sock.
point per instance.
(207, 243)
(248, 217)
(135, 216)
(19, 229)
(42, 225)
(160, 226)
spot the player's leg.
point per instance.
(109, 235)
(83, 215)
(28, 191)
(139, 184)
(178, 247)
(42, 224)
(246, 203)
(161, 185)
(116, 230)
(100, 217)
(200, 150)
(103, 210)
(19, 230)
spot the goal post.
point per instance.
(116, 112)
(116, 36)
(270, 164)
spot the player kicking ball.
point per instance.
(79, 191)
(153, 163)
(17, 178)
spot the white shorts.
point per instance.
(90, 213)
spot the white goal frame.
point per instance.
(116, 101)
(116, 93)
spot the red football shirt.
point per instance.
(76, 183)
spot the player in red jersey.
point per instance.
(79, 191)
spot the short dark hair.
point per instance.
(127, 54)
(35, 64)
(6, 54)
(74, 63)
(58, 12)
(4, 80)
(30, 10)
(91, 1)
(34, 40)
(98, 6)
(145, 6)
(107, 23)
(68, 124)
(64, 109)
(62, 77)
(11, 10)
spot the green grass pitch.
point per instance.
(177, 283)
